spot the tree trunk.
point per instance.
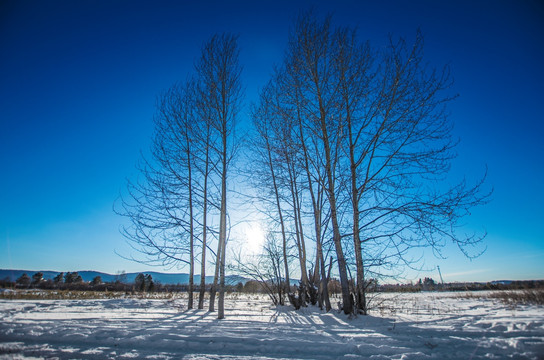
(280, 214)
(317, 209)
(223, 222)
(191, 229)
(213, 288)
(298, 232)
(325, 285)
(360, 298)
(204, 226)
(347, 306)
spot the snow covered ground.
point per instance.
(402, 326)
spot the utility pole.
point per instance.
(440, 273)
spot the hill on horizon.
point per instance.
(89, 275)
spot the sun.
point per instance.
(254, 235)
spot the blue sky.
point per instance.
(79, 81)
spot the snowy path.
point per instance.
(407, 326)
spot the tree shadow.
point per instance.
(372, 335)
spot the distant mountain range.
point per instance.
(163, 278)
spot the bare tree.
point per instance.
(308, 64)
(352, 63)
(278, 154)
(265, 119)
(290, 155)
(314, 178)
(205, 168)
(265, 268)
(161, 206)
(218, 73)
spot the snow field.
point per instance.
(401, 326)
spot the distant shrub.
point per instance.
(72, 278)
(59, 278)
(23, 280)
(37, 278)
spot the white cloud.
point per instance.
(469, 272)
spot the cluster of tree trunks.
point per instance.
(352, 144)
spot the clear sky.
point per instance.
(79, 79)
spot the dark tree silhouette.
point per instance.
(37, 278)
(23, 280)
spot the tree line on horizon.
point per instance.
(144, 283)
(73, 281)
(349, 155)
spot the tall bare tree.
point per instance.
(265, 148)
(218, 73)
(160, 207)
(206, 166)
(308, 62)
